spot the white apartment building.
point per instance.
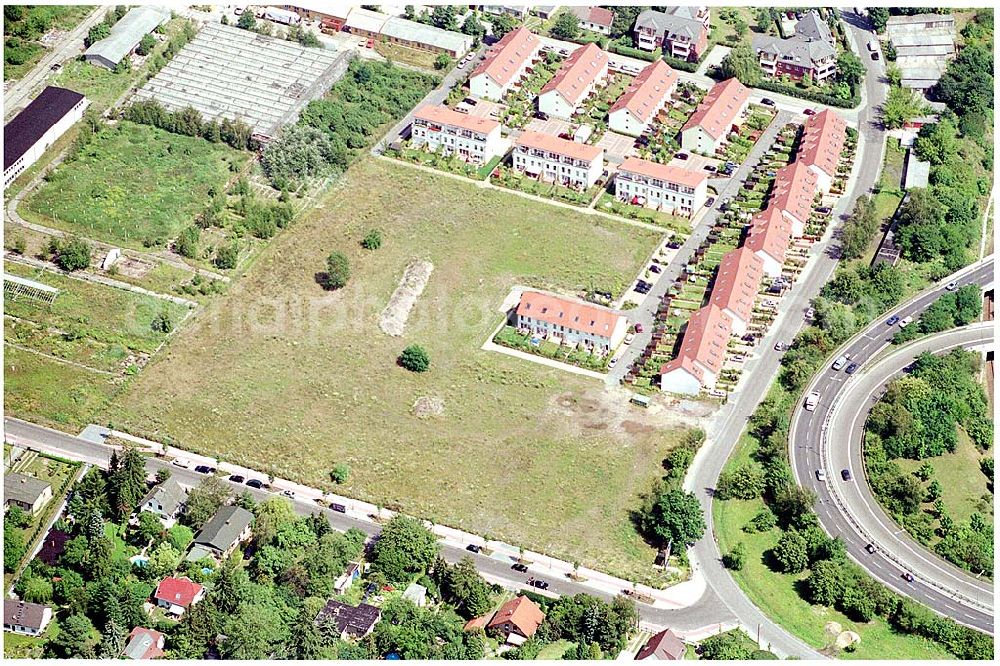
(449, 132)
(557, 160)
(661, 187)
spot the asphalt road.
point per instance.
(817, 442)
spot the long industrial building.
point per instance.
(226, 72)
(29, 134)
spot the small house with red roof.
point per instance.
(570, 321)
(516, 621)
(556, 160)
(144, 643)
(595, 19)
(664, 646)
(176, 595)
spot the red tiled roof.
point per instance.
(737, 282)
(577, 73)
(506, 57)
(151, 643)
(705, 339)
(571, 314)
(664, 646)
(822, 141)
(554, 144)
(522, 613)
(719, 108)
(770, 233)
(645, 96)
(178, 591)
(665, 172)
(795, 187)
(596, 15)
(445, 116)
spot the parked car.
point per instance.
(872, 46)
(655, 269)
(517, 566)
(629, 338)
(709, 168)
(875, 56)
(288, 493)
(905, 321)
(810, 313)
(674, 245)
(204, 469)
(870, 548)
(709, 201)
(845, 474)
(541, 115)
(852, 368)
(682, 156)
(891, 321)
(473, 548)
(236, 478)
(540, 584)
(767, 101)
(470, 101)
(951, 286)
(612, 363)
(255, 483)
(780, 346)
(821, 475)
(638, 328)
(808, 112)
(177, 462)
(339, 508)
(56, 67)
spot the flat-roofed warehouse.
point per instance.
(227, 72)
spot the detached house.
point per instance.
(595, 19)
(702, 353)
(578, 76)
(227, 529)
(736, 285)
(809, 51)
(557, 160)
(769, 237)
(664, 646)
(679, 35)
(471, 138)
(794, 189)
(507, 62)
(22, 617)
(660, 186)
(570, 321)
(720, 112)
(164, 500)
(144, 643)
(644, 98)
(516, 621)
(25, 492)
(351, 621)
(822, 142)
(177, 595)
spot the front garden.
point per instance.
(505, 176)
(572, 354)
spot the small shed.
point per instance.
(640, 400)
(417, 594)
(583, 133)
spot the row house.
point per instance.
(558, 160)
(823, 139)
(722, 111)
(471, 138)
(594, 19)
(769, 237)
(702, 353)
(579, 75)
(573, 322)
(676, 33)
(737, 282)
(644, 98)
(661, 186)
(793, 192)
(507, 63)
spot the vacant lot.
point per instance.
(283, 376)
(24, 28)
(132, 183)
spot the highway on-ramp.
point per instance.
(829, 438)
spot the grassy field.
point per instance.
(285, 377)
(22, 50)
(133, 182)
(406, 55)
(777, 595)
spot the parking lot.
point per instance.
(617, 146)
(552, 126)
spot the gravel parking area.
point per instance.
(617, 146)
(552, 126)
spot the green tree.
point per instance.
(75, 639)
(850, 69)
(901, 104)
(227, 256)
(967, 83)
(126, 480)
(744, 482)
(502, 24)
(736, 558)
(672, 516)
(826, 582)
(146, 45)
(462, 586)
(186, 243)
(372, 240)
(473, 26)
(791, 552)
(72, 254)
(180, 537)
(415, 359)
(566, 26)
(404, 547)
(338, 271)
(726, 646)
(204, 500)
(247, 21)
(150, 527)
(340, 473)
(97, 33)
(741, 63)
(444, 17)
(878, 16)
(442, 61)
(16, 517)
(162, 322)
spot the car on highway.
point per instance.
(473, 548)
(540, 584)
(288, 493)
(517, 566)
(255, 483)
(840, 362)
(811, 400)
(236, 478)
(845, 474)
(891, 321)
(852, 368)
(780, 346)
(821, 475)
(907, 576)
(951, 286)
(204, 469)
(339, 508)
(870, 548)
(905, 321)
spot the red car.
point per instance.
(809, 112)
(638, 328)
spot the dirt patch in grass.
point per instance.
(411, 285)
(284, 377)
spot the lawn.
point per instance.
(98, 326)
(22, 48)
(285, 377)
(406, 55)
(133, 183)
(776, 594)
(555, 650)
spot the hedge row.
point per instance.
(650, 56)
(822, 98)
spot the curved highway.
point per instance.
(829, 438)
